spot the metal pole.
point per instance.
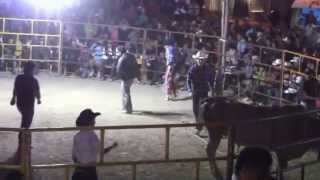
(134, 172)
(224, 31)
(67, 173)
(26, 154)
(230, 154)
(196, 171)
(302, 173)
(282, 77)
(60, 49)
(102, 134)
(167, 144)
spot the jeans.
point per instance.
(27, 112)
(126, 97)
(87, 173)
(197, 97)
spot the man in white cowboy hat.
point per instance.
(200, 81)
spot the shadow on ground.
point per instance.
(158, 114)
(182, 98)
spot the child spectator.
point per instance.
(86, 147)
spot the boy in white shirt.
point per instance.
(86, 147)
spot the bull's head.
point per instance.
(211, 107)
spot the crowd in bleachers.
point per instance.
(85, 44)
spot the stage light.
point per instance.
(51, 5)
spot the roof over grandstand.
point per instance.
(306, 4)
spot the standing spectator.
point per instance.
(253, 163)
(170, 86)
(311, 91)
(86, 147)
(99, 53)
(17, 54)
(127, 70)
(26, 89)
(200, 81)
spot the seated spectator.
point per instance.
(86, 147)
(253, 163)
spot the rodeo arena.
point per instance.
(161, 89)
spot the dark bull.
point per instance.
(220, 113)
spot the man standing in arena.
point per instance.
(200, 81)
(26, 90)
(127, 70)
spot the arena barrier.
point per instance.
(30, 40)
(26, 167)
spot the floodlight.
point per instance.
(51, 5)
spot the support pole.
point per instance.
(60, 63)
(230, 152)
(223, 40)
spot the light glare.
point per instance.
(51, 5)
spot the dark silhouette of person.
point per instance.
(311, 90)
(26, 90)
(127, 70)
(253, 163)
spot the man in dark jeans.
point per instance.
(127, 70)
(200, 81)
(26, 89)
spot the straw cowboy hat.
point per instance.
(200, 55)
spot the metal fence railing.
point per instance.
(26, 166)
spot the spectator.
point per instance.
(99, 53)
(311, 91)
(17, 54)
(171, 55)
(127, 70)
(200, 82)
(253, 163)
(86, 147)
(26, 89)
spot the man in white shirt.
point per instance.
(86, 147)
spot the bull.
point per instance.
(220, 113)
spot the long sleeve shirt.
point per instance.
(200, 78)
(26, 89)
(85, 147)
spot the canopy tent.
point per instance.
(306, 4)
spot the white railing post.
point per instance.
(134, 172)
(60, 63)
(102, 134)
(25, 153)
(196, 171)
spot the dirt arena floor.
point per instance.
(64, 97)
(62, 100)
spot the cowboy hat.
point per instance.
(200, 55)
(86, 117)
